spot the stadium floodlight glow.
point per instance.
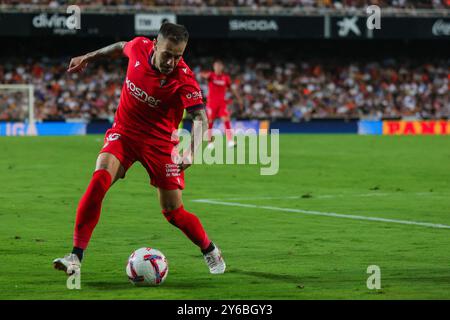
(26, 117)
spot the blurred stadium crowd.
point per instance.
(296, 90)
(235, 3)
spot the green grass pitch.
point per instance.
(270, 253)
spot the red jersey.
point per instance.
(152, 103)
(217, 87)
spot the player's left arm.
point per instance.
(238, 97)
(198, 129)
(191, 99)
(205, 74)
(78, 64)
(199, 117)
(236, 93)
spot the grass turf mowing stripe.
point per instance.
(327, 214)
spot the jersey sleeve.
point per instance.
(228, 82)
(133, 45)
(190, 94)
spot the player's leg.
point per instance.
(210, 127)
(108, 170)
(180, 126)
(165, 175)
(116, 156)
(212, 116)
(225, 117)
(173, 209)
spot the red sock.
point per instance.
(190, 225)
(210, 126)
(227, 124)
(89, 207)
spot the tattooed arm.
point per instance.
(199, 127)
(79, 63)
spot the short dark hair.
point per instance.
(174, 32)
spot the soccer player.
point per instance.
(218, 83)
(158, 87)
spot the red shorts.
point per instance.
(157, 160)
(216, 111)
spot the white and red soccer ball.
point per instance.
(147, 267)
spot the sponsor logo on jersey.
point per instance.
(141, 95)
(194, 95)
(219, 82)
(113, 137)
(172, 170)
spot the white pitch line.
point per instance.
(324, 196)
(326, 214)
(327, 196)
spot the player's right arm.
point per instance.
(205, 74)
(114, 50)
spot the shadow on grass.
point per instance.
(183, 285)
(109, 285)
(125, 285)
(269, 276)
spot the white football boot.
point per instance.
(70, 264)
(231, 144)
(215, 262)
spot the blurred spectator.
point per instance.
(58, 95)
(236, 3)
(296, 90)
